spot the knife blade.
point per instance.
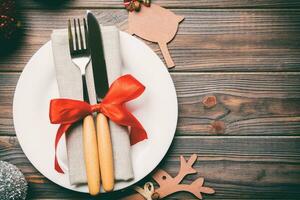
(101, 88)
(97, 57)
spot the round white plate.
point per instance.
(156, 109)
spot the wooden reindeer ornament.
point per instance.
(169, 185)
(155, 24)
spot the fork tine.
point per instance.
(70, 36)
(80, 35)
(76, 36)
(86, 35)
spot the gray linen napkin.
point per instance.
(70, 86)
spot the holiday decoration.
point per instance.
(8, 21)
(13, 185)
(8, 26)
(68, 111)
(135, 5)
(7, 7)
(169, 185)
(155, 24)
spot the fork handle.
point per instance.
(91, 155)
(105, 153)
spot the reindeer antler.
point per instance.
(169, 185)
(172, 185)
(163, 178)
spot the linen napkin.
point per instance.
(70, 86)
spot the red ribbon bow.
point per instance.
(67, 111)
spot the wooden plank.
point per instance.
(237, 167)
(166, 3)
(208, 40)
(7, 88)
(248, 103)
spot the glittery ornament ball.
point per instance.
(13, 185)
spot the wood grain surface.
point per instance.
(235, 166)
(245, 53)
(247, 103)
(167, 3)
(208, 39)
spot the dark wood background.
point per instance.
(246, 53)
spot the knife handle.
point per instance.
(91, 155)
(105, 153)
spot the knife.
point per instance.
(101, 88)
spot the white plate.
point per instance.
(156, 109)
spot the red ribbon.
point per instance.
(67, 111)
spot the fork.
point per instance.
(81, 57)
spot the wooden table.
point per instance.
(246, 53)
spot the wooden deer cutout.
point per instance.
(155, 24)
(169, 185)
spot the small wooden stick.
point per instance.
(165, 51)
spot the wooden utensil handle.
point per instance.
(105, 153)
(91, 155)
